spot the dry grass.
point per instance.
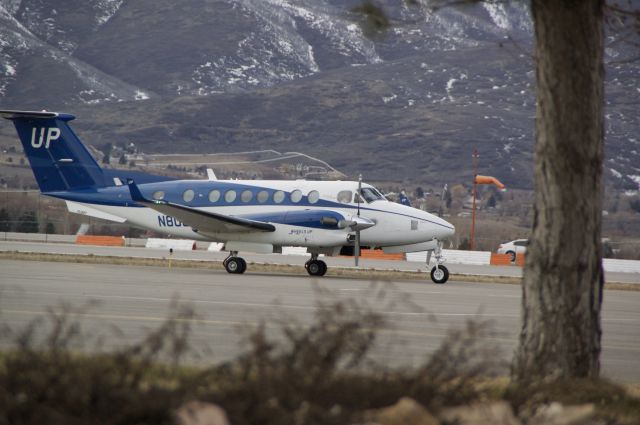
(317, 373)
(320, 373)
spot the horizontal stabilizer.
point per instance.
(83, 209)
(10, 114)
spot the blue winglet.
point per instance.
(136, 195)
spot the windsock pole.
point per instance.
(476, 181)
(472, 239)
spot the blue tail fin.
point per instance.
(58, 158)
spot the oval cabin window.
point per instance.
(313, 196)
(296, 196)
(214, 195)
(263, 196)
(278, 197)
(188, 195)
(344, 196)
(246, 196)
(230, 196)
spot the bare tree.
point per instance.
(563, 277)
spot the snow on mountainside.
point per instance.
(302, 70)
(36, 72)
(204, 47)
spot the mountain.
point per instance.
(299, 75)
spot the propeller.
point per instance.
(357, 223)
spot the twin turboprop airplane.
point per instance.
(326, 217)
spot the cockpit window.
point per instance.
(370, 194)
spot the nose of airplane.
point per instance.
(443, 228)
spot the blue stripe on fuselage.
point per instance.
(121, 197)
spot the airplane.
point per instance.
(327, 217)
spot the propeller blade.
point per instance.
(356, 253)
(359, 192)
(358, 224)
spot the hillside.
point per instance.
(299, 75)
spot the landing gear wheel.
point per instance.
(316, 267)
(235, 265)
(244, 265)
(439, 274)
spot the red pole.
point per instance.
(472, 241)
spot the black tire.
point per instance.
(439, 274)
(234, 265)
(324, 268)
(243, 263)
(316, 267)
(513, 256)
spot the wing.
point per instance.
(203, 221)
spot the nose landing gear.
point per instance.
(439, 273)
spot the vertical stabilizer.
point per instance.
(58, 158)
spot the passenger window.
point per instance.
(188, 195)
(263, 196)
(296, 196)
(278, 197)
(246, 196)
(158, 195)
(214, 195)
(313, 196)
(344, 196)
(230, 196)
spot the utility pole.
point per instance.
(472, 241)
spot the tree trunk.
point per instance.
(563, 277)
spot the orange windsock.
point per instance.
(488, 180)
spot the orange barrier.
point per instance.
(100, 240)
(378, 254)
(520, 260)
(500, 259)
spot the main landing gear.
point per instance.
(234, 264)
(237, 265)
(315, 267)
(439, 273)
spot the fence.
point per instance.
(27, 211)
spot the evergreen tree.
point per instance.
(5, 221)
(28, 223)
(106, 150)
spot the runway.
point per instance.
(200, 255)
(136, 299)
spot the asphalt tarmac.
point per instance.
(130, 301)
(140, 252)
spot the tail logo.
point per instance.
(43, 136)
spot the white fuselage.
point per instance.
(396, 225)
